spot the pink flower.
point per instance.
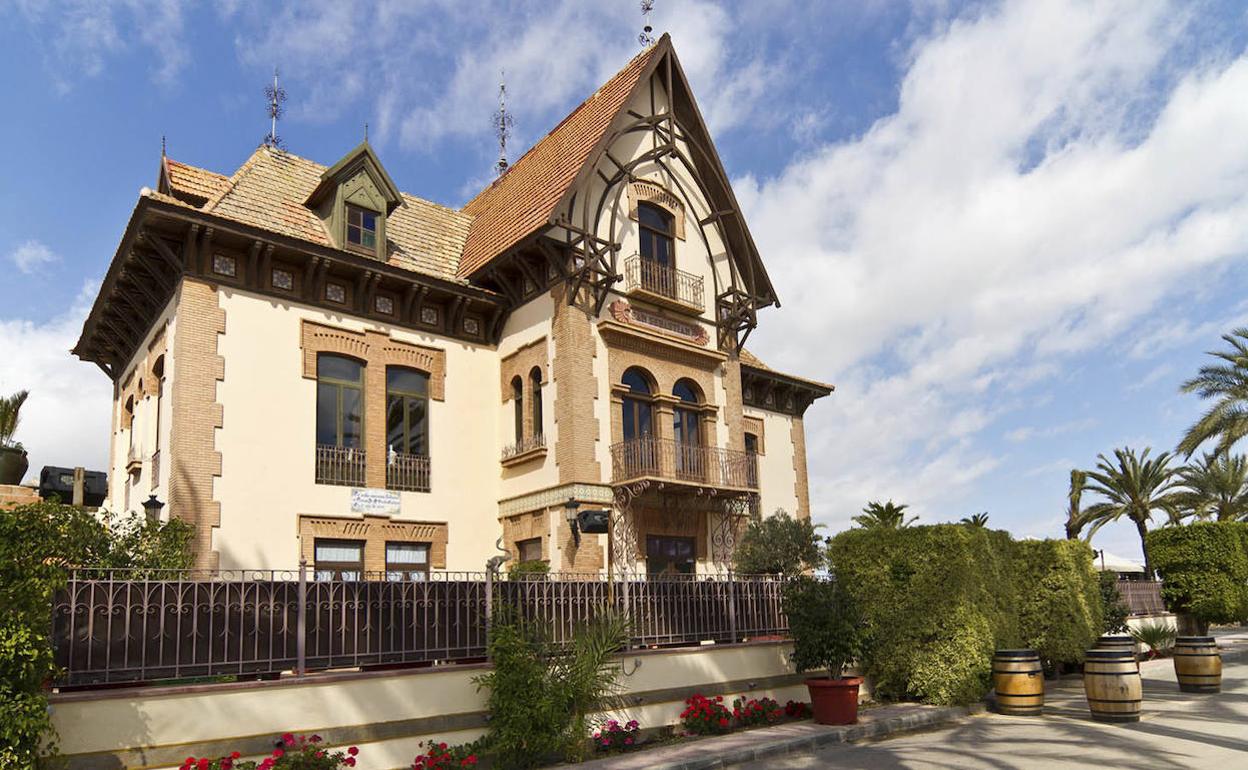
(628, 741)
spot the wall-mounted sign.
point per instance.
(384, 502)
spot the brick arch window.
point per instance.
(638, 404)
(339, 420)
(686, 427)
(517, 404)
(657, 234)
(535, 393)
(407, 411)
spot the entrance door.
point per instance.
(669, 555)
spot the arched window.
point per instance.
(535, 391)
(339, 401)
(158, 371)
(517, 403)
(407, 411)
(638, 411)
(130, 419)
(686, 429)
(656, 233)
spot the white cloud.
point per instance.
(32, 255)
(1016, 210)
(66, 419)
(1031, 432)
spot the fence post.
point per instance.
(732, 606)
(301, 625)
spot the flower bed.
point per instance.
(616, 737)
(297, 752)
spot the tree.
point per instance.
(10, 415)
(975, 520)
(1133, 487)
(1226, 422)
(779, 544)
(883, 516)
(1215, 487)
(1075, 519)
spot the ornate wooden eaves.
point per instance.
(776, 392)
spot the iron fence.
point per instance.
(407, 472)
(339, 465)
(656, 278)
(1142, 597)
(668, 459)
(118, 626)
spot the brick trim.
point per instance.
(650, 191)
(374, 348)
(375, 531)
(572, 370)
(195, 460)
(519, 364)
(801, 484)
(756, 426)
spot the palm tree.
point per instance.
(1227, 420)
(1215, 487)
(1075, 519)
(886, 516)
(10, 415)
(975, 520)
(1133, 487)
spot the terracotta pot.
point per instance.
(834, 701)
(13, 465)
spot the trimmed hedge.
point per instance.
(1060, 609)
(1204, 570)
(937, 601)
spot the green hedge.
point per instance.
(938, 600)
(1203, 569)
(1060, 609)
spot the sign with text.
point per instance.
(384, 502)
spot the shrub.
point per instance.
(796, 709)
(826, 623)
(439, 756)
(1060, 611)
(779, 544)
(616, 737)
(1204, 570)
(936, 601)
(528, 569)
(1158, 637)
(755, 712)
(1115, 610)
(706, 716)
(296, 752)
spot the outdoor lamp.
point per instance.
(152, 506)
(569, 511)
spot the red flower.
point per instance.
(354, 750)
(315, 739)
(723, 722)
(235, 755)
(288, 739)
(203, 762)
(349, 761)
(278, 753)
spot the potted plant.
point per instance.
(13, 462)
(828, 633)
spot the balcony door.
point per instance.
(669, 555)
(638, 422)
(686, 430)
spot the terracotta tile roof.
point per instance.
(268, 192)
(754, 362)
(522, 200)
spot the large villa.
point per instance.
(311, 364)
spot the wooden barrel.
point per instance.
(1018, 681)
(1111, 680)
(1116, 643)
(1197, 664)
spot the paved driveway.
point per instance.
(1176, 730)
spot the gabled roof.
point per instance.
(522, 200)
(269, 192)
(362, 157)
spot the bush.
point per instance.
(796, 709)
(38, 543)
(616, 737)
(826, 623)
(1204, 570)
(756, 712)
(1060, 611)
(706, 716)
(1158, 637)
(1114, 610)
(295, 753)
(936, 600)
(528, 569)
(439, 756)
(779, 544)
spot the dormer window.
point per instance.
(361, 229)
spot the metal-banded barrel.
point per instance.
(1111, 680)
(1197, 664)
(1019, 682)
(1116, 643)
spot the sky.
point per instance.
(1006, 231)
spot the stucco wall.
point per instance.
(386, 713)
(267, 439)
(776, 479)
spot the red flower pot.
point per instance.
(834, 701)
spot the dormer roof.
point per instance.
(361, 158)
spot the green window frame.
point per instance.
(339, 401)
(407, 411)
(363, 226)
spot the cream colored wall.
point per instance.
(144, 424)
(526, 324)
(777, 480)
(268, 435)
(168, 724)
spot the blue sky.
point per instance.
(1005, 230)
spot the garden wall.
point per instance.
(385, 713)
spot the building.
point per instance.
(309, 363)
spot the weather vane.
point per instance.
(502, 124)
(275, 95)
(645, 38)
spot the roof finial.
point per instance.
(162, 146)
(645, 38)
(502, 123)
(276, 95)
(366, 130)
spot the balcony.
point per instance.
(524, 450)
(155, 479)
(663, 285)
(407, 473)
(339, 465)
(669, 460)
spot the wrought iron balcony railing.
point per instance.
(660, 281)
(155, 479)
(523, 445)
(667, 459)
(339, 465)
(407, 473)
